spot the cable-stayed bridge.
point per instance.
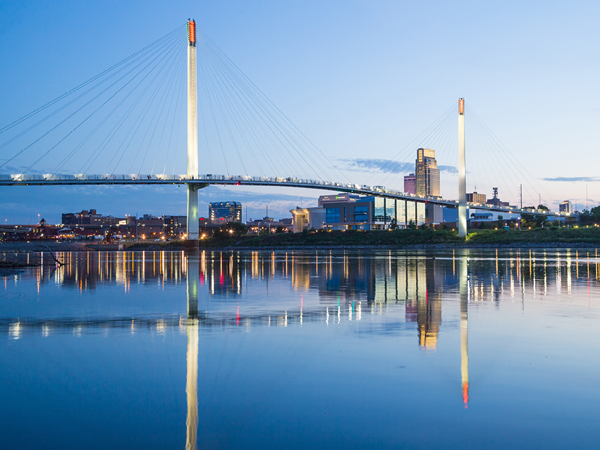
(132, 118)
(233, 180)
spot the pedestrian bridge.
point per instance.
(130, 118)
(202, 181)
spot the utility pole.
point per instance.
(462, 171)
(521, 195)
(193, 232)
(586, 197)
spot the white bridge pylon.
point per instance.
(193, 232)
(462, 171)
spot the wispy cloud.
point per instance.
(387, 166)
(378, 165)
(449, 169)
(21, 169)
(588, 179)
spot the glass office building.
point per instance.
(372, 213)
(427, 175)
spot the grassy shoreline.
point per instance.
(409, 239)
(550, 237)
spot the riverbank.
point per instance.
(550, 237)
(407, 239)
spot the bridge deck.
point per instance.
(235, 180)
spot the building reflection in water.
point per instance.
(347, 284)
(223, 271)
(389, 278)
(422, 292)
(87, 271)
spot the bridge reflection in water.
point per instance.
(191, 388)
(342, 285)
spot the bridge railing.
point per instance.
(212, 178)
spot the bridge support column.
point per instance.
(462, 172)
(193, 222)
(192, 140)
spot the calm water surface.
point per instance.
(302, 350)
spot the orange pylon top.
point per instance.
(191, 29)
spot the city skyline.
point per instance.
(309, 224)
(344, 138)
(167, 202)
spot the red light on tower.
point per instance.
(191, 27)
(461, 105)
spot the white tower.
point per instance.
(192, 139)
(462, 171)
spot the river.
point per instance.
(297, 349)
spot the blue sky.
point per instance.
(361, 79)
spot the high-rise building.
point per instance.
(410, 184)
(566, 207)
(225, 212)
(427, 175)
